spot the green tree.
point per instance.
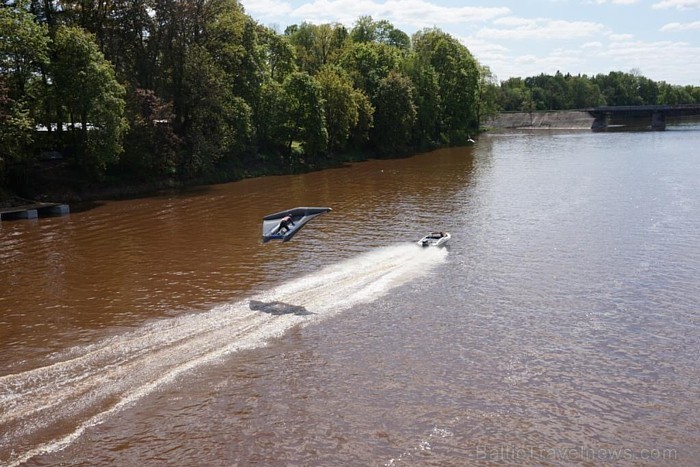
(271, 119)
(306, 122)
(584, 93)
(277, 55)
(177, 25)
(123, 30)
(549, 92)
(340, 106)
(648, 90)
(23, 54)
(23, 47)
(395, 114)
(364, 30)
(361, 132)
(382, 32)
(427, 101)
(694, 94)
(151, 146)
(619, 88)
(387, 34)
(88, 98)
(367, 63)
(316, 45)
(15, 131)
(487, 103)
(232, 42)
(458, 78)
(512, 94)
(216, 123)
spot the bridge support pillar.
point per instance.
(600, 123)
(658, 121)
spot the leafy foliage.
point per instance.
(395, 114)
(340, 105)
(23, 47)
(559, 92)
(152, 146)
(15, 128)
(88, 98)
(23, 52)
(306, 122)
(458, 80)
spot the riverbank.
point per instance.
(542, 120)
(55, 181)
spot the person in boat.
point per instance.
(285, 223)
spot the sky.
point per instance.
(659, 39)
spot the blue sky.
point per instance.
(659, 39)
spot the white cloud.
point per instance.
(620, 37)
(619, 2)
(513, 21)
(417, 13)
(487, 53)
(677, 4)
(674, 27)
(592, 45)
(673, 62)
(266, 8)
(558, 60)
(541, 28)
(527, 59)
(676, 62)
(421, 12)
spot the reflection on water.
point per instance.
(559, 326)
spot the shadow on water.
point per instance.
(99, 199)
(279, 308)
(83, 206)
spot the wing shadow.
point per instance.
(279, 308)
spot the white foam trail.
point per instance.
(89, 384)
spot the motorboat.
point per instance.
(435, 239)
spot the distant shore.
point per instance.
(542, 120)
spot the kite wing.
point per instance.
(272, 229)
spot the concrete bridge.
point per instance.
(635, 114)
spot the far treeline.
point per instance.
(139, 91)
(561, 92)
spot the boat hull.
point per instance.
(435, 239)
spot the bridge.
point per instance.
(656, 114)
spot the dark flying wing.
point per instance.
(300, 216)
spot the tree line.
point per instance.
(149, 89)
(561, 92)
(139, 90)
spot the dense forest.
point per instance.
(560, 92)
(97, 93)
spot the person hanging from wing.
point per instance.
(285, 223)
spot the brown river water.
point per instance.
(561, 325)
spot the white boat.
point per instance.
(435, 239)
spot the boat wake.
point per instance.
(45, 409)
